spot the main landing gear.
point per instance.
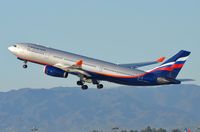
(99, 86)
(85, 87)
(81, 83)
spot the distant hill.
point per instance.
(73, 110)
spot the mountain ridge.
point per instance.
(61, 109)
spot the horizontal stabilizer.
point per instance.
(142, 64)
(186, 80)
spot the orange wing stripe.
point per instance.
(160, 59)
(79, 63)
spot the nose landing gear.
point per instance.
(25, 65)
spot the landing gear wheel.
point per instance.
(79, 83)
(84, 87)
(99, 86)
(25, 66)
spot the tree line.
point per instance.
(147, 129)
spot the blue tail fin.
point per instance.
(172, 66)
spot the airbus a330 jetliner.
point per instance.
(60, 63)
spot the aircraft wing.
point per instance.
(76, 68)
(142, 64)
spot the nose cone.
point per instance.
(11, 49)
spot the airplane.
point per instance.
(59, 63)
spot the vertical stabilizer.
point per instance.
(172, 67)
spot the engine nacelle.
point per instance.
(55, 72)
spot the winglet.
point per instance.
(79, 63)
(160, 59)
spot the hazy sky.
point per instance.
(119, 31)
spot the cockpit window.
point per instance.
(15, 45)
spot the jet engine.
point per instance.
(55, 72)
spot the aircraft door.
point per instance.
(46, 56)
(100, 68)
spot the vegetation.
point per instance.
(147, 129)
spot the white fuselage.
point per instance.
(49, 56)
(59, 63)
